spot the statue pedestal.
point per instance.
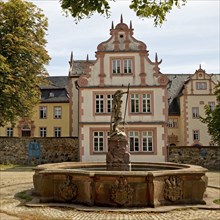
(118, 157)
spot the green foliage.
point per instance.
(217, 201)
(25, 196)
(212, 118)
(80, 9)
(22, 58)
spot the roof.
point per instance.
(79, 66)
(175, 86)
(57, 89)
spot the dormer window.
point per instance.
(201, 85)
(51, 94)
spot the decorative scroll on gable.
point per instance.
(121, 39)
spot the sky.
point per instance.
(189, 37)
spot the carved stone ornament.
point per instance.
(173, 189)
(121, 192)
(68, 190)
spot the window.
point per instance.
(57, 111)
(140, 103)
(116, 66)
(9, 132)
(134, 103)
(127, 66)
(195, 112)
(51, 94)
(43, 112)
(141, 141)
(146, 100)
(196, 135)
(57, 132)
(122, 66)
(98, 141)
(99, 103)
(147, 141)
(103, 103)
(212, 105)
(172, 123)
(43, 132)
(134, 140)
(109, 103)
(201, 85)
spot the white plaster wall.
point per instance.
(141, 157)
(89, 102)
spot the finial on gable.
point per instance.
(71, 58)
(200, 66)
(87, 57)
(121, 18)
(130, 24)
(156, 58)
(112, 25)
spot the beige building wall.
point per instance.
(35, 123)
(197, 93)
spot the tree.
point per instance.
(212, 118)
(22, 58)
(80, 9)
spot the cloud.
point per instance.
(188, 37)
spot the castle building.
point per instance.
(158, 110)
(121, 60)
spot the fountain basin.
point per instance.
(146, 185)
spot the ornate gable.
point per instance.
(121, 40)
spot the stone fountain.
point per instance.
(118, 182)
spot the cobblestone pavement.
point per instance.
(11, 208)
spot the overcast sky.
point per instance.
(188, 38)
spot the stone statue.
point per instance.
(118, 157)
(116, 116)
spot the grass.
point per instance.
(23, 195)
(217, 201)
(7, 166)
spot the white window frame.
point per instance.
(127, 65)
(135, 103)
(195, 112)
(99, 103)
(172, 123)
(122, 65)
(9, 132)
(134, 141)
(116, 66)
(57, 131)
(141, 141)
(98, 141)
(196, 135)
(147, 141)
(201, 85)
(109, 103)
(43, 132)
(146, 103)
(212, 105)
(140, 103)
(43, 112)
(57, 112)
